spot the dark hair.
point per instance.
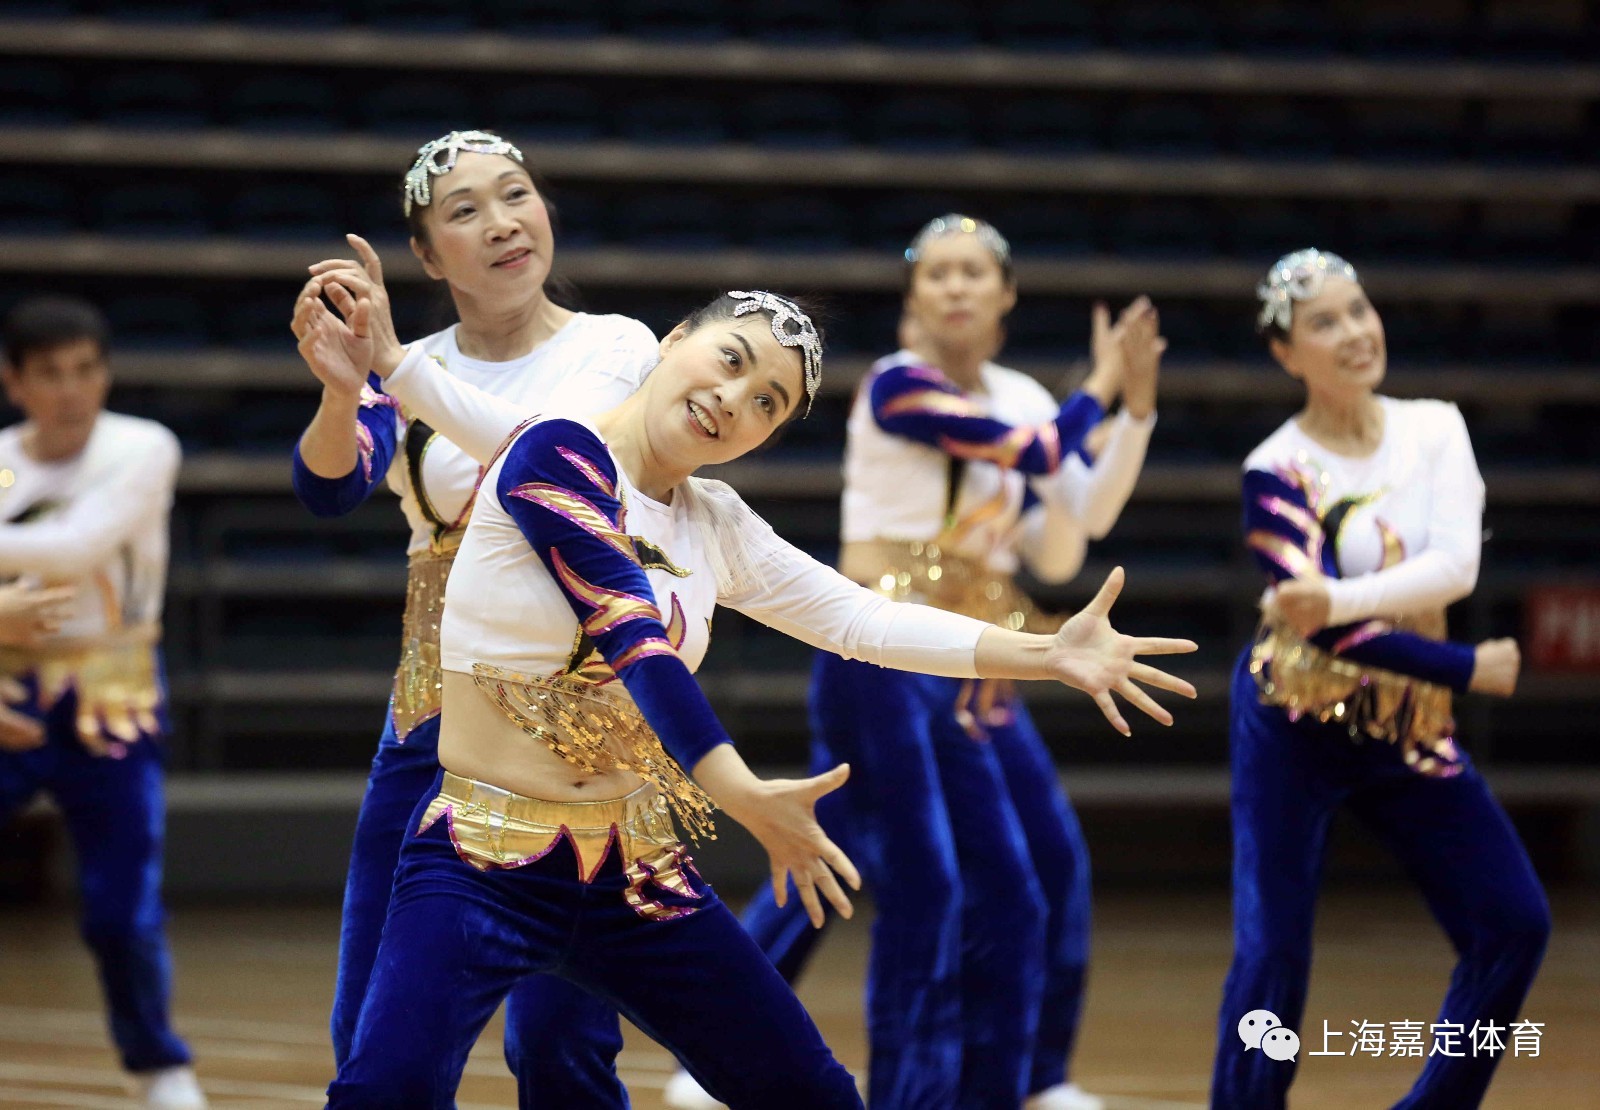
(908, 272)
(1274, 330)
(559, 289)
(41, 323)
(721, 307)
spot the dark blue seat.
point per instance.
(35, 93)
(1282, 29)
(560, 111)
(922, 23)
(1398, 31)
(889, 222)
(794, 118)
(1164, 227)
(162, 321)
(416, 107)
(260, 321)
(1409, 231)
(276, 13)
(1390, 131)
(546, 18)
(1164, 127)
(923, 121)
(152, 98)
(153, 207)
(1530, 235)
(1055, 226)
(151, 11)
(1287, 130)
(1043, 25)
(1040, 328)
(579, 219)
(1517, 334)
(34, 204)
(1262, 230)
(1039, 124)
(795, 21)
(678, 220)
(301, 103)
(674, 119)
(1165, 28)
(419, 15)
(1509, 35)
(794, 222)
(1528, 133)
(42, 9)
(277, 209)
(681, 20)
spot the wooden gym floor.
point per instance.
(253, 987)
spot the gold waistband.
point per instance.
(493, 828)
(116, 676)
(418, 681)
(1370, 702)
(596, 728)
(911, 570)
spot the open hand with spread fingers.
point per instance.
(1089, 655)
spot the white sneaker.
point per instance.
(171, 1089)
(683, 1093)
(1064, 1096)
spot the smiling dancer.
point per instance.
(479, 224)
(956, 471)
(591, 557)
(1366, 514)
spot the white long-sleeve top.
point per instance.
(1410, 529)
(897, 488)
(97, 521)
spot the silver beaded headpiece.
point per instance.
(439, 157)
(955, 224)
(803, 333)
(1296, 277)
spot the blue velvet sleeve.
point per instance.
(560, 485)
(376, 436)
(1286, 536)
(922, 404)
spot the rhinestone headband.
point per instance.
(1296, 277)
(804, 335)
(954, 224)
(439, 157)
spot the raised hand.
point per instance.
(1105, 350)
(362, 278)
(1139, 337)
(339, 351)
(1089, 655)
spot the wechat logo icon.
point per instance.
(1261, 1029)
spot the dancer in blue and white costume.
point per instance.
(479, 224)
(578, 608)
(957, 471)
(1366, 513)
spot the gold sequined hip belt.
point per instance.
(927, 573)
(493, 828)
(116, 676)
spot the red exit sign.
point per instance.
(1563, 628)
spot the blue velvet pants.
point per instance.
(457, 939)
(116, 815)
(980, 875)
(560, 1042)
(1453, 839)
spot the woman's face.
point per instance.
(959, 294)
(1336, 342)
(488, 230)
(721, 390)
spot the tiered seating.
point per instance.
(1179, 148)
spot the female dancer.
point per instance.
(955, 469)
(584, 535)
(479, 224)
(1366, 514)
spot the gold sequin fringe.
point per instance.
(418, 680)
(597, 730)
(115, 676)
